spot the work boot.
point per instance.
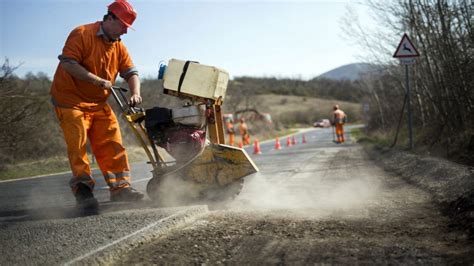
(84, 197)
(127, 194)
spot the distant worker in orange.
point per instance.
(91, 59)
(339, 121)
(244, 132)
(230, 131)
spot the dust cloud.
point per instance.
(48, 200)
(172, 191)
(315, 198)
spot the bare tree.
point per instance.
(21, 110)
(442, 77)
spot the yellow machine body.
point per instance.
(217, 172)
(219, 165)
(214, 175)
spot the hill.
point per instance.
(348, 72)
(343, 90)
(304, 109)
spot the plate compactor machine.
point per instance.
(185, 145)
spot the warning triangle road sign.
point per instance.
(406, 48)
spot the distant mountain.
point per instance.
(349, 72)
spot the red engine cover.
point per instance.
(185, 143)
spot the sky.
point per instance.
(262, 38)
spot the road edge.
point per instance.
(450, 184)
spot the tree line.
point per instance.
(442, 78)
(343, 90)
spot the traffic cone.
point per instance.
(277, 144)
(293, 140)
(304, 139)
(288, 142)
(256, 147)
(240, 144)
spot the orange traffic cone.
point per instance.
(304, 139)
(293, 140)
(256, 147)
(240, 144)
(288, 142)
(277, 144)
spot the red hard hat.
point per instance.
(124, 11)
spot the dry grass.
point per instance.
(281, 106)
(34, 168)
(57, 165)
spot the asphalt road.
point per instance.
(312, 202)
(50, 193)
(315, 203)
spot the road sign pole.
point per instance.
(407, 52)
(410, 121)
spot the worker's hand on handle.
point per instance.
(134, 85)
(134, 100)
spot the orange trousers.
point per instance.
(246, 139)
(340, 132)
(231, 139)
(102, 130)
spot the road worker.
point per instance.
(91, 59)
(230, 131)
(338, 122)
(244, 132)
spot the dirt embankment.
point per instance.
(450, 184)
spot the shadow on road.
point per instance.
(68, 212)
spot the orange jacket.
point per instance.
(243, 129)
(230, 128)
(104, 59)
(339, 116)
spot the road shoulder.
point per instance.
(450, 184)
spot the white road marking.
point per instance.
(33, 177)
(8, 218)
(121, 239)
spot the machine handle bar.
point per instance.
(123, 103)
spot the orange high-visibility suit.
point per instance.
(82, 109)
(339, 120)
(230, 132)
(244, 132)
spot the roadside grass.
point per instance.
(289, 109)
(423, 144)
(34, 168)
(381, 139)
(57, 165)
(377, 139)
